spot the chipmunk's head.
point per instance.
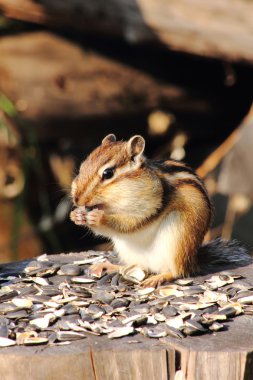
(113, 176)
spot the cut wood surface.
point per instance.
(218, 28)
(225, 355)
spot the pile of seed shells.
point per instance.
(56, 302)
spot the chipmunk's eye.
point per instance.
(108, 173)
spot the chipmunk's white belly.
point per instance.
(154, 247)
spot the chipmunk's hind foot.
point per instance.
(157, 280)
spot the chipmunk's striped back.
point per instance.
(177, 174)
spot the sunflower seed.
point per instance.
(215, 316)
(170, 311)
(175, 333)
(43, 322)
(231, 310)
(7, 293)
(60, 307)
(105, 297)
(5, 342)
(169, 290)
(135, 320)
(216, 326)
(155, 332)
(33, 266)
(32, 341)
(43, 257)
(145, 291)
(91, 260)
(189, 330)
(120, 302)
(69, 335)
(159, 317)
(121, 331)
(7, 307)
(69, 270)
(176, 322)
(22, 302)
(83, 280)
(133, 274)
(184, 281)
(40, 281)
(196, 325)
(17, 314)
(248, 300)
(142, 308)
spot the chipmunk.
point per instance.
(155, 212)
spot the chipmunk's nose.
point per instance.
(80, 200)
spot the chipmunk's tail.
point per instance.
(219, 254)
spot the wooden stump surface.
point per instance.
(225, 355)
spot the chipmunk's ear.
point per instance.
(135, 146)
(109, 139)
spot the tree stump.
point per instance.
(222, 355)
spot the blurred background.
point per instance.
(180, 73)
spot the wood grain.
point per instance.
(49, 77)
(218, 28)
(65, 89)
(130, 363)
(39, 365)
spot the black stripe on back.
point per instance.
(170, 168)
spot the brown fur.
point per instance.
(88, 173)
(196, 219)
(142, 191)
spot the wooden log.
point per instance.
(48, 77)
(215, 158)
(238, 161)
(55, 83)
(224, 355)
(219, 28)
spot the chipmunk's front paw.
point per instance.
(78, 216)
(97, 269)
(94, 217)
(157, 280)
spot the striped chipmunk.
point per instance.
(156, 213)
